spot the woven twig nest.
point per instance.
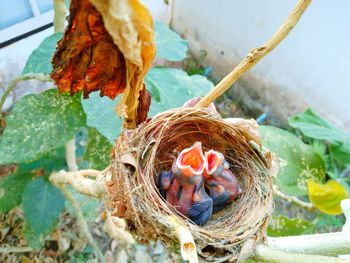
(141, 154)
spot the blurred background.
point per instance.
(309, 68)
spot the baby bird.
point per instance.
(183, 186)
(223, 185)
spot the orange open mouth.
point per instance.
(192, 158)
(213, 161)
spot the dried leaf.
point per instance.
(144, 105)
(108, 46)
(131, 26)
(87, 58)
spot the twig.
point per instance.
(4, 250)
(78, 181)
(267, 254)
(294, 200)
(117, 229)
(256, 54)
(329, 244)
(187, 245)
(81, 222)
(90, 172)
(71, 159)
(60, 15)
(13, 84)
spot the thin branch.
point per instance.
(256, 54)
(329, 244)
(71, 158)
(267, 254)
(60, 15)
(81, 222)
(187, 245)
(4, 250)
(117, 229)
(13, 84)
(294, 200)
(78, 181)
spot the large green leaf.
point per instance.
(54, 160)
(42, 205)
(283, 226)
(171, 88)
(40, 59)
(98, 150)
(101, 114)
(297, 161)
(341, 152)
(314, 126)
(11, 188)
(169, 44)
(39, 124)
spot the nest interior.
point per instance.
(142, 153)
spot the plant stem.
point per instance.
(81, 222)
(256, 54)
(268, 254)
(78, 181)
(13, 84)
(294, 200)
(60, 15)
(71, 159)
(4, 250)
(329, 244)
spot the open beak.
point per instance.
(191, 161)
(214, 160)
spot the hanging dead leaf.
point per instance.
(131, 26)
(87, 59)
(108, 46)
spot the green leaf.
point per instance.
(42, 206)
(327, 197)
(40, 59)
(283, 226)
(341, 152)
(314, 126)
(11, 188)
(297, 161)
(39, 124)
(170, 88)
(174, 88)
(54, 160)
(101, 114)
(170, 45)
(98, 150)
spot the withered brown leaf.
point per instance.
(107, 46)
(87, 59)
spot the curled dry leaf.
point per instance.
(87, 58)
(108, 46)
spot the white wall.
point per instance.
(311, 67)
(311, 64)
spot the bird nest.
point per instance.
(139, 156)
